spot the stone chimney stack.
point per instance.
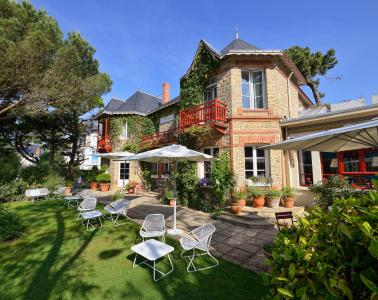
(165, 96)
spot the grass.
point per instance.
(58, 259)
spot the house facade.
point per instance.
(250, 98)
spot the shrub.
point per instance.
(335, 187)
(328, 255)
(13, 191)
(288, 192)
(53, 182)
(11, 224)
(119, 194)
(167, 195)
(104, 178)
(240, 195)
(273, 194)
(10, 167)
(188, 192)
(255, 192)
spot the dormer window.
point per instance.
(210, 92)
(253, 86)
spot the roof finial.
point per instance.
(236, 32)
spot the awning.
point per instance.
(122, 156)
(349, 137)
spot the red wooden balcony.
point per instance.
(213, 111)
(104, 143)
(160, 138)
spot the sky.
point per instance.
(142, 44)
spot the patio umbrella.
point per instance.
(121, 156)
(171, 154)
(349, 137)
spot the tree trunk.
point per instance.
(74, 147)
(315, 92)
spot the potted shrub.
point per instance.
(241, 198)
(258, 196)
(91, 178)
(168, 198)
(104, 180)
(273, 197)
(130, 187)
(288, 195)
(235, 208)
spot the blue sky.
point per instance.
(143, 43)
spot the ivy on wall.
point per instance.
(192, 84)
(138, 126)
(195, 135)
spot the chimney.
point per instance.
(165, 92)
(374, 99)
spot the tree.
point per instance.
(312, 65)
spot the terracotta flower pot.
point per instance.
(171, 202)
(289, 202)
(236, 208)
(259, 202)
(242, 202)
(94, 185)
(273, 202)
(104, 186)
(130, 191)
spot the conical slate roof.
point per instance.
(238, 45)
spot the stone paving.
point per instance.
(234, 243)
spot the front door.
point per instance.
(124, 173)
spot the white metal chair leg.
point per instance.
(193, 256)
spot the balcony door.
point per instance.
(124, 173)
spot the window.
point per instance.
(329, 164)
(305, 168)
(124, 169)
(207, 164)
(210, 92)
(256, 162)
(94, 157)
(253, 95)
(371, 160)
(125, 131)
(166, 169)
(154, 169)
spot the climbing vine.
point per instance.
(192, 84)
(138, 126)
(195, 135)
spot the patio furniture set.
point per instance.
(197, 242)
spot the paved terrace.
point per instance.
(234, 243)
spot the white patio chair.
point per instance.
(87, 204)
(153, 227)
(117, 208)
(199, 239)
(36, 193)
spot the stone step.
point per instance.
(261, 223)
(268, 212)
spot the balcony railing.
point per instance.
(210, 111)
(104, 145)
(160, 138)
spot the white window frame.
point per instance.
(252, 88)
(202, 163)
(125, 131)
(254, 161)
(213, 86)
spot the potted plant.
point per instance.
(273, 197)
(288, 195)
(130, 187)
(168, 198)
(235, 208)
(241, 198)
(104, 180)
(258, 196)
(91, 178)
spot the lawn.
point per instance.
(58, 259)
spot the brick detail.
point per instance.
(256, 140)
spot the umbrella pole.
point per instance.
(175, 230)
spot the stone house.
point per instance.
(251, 98)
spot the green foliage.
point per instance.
(103, 177)
(329, 255)
(192, 84)
(91, 175)
(119, 194)
(240, 195)
(13, 190)
(146, 176)
(167, 196)
(188, 192)
(288, 192)
(53, 182)
(221, 181)
(312, 65)
(332, 188)
(273, 194)
(254, 192)
(11, 224)
(10, 166)
(195, 135)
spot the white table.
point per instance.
(152, 250)
(90, 216)
(69, 199)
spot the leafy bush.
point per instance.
(188, 192)
(328, 255)
(288, 192)
(53, 182)
(119, 194)
(335, 187)
(240, 195)
(273, 194)
(13, 191)
(221, 181)
(104, 177)
(254, 192)
(11, 224)
(10, 167)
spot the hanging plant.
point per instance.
(192, 84)
(195, 135)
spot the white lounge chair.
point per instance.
(36, 193)
(88, 204)
(153, 227)
(199, 239)
(117, 208)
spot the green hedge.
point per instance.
(11, 224)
